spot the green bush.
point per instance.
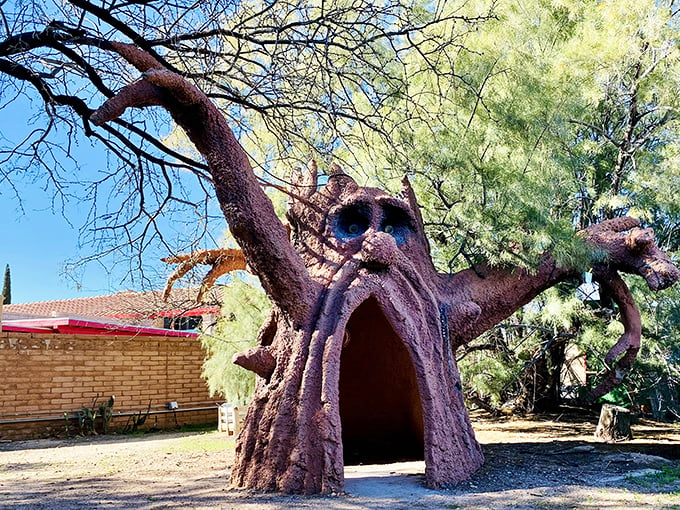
(244, 310)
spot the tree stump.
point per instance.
(614, 424)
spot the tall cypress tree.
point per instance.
(7, 287)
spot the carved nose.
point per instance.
(378, 251)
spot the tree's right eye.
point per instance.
(352, 221)
(397, 223)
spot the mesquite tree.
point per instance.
(311, 76)
(356, 361)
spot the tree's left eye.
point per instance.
(352, 221)
(388, 229)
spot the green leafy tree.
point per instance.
(567, 116)
(616, 141)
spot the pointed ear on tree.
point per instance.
(304, 181)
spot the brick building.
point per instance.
(59, 358)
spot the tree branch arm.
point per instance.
(249, 212)
(628, 344)
(500, 291)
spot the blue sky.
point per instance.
(36, 245)
(34, 242)
(37, 242)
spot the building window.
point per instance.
(182, 323)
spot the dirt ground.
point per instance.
(546, 462)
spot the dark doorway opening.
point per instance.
(380, 407)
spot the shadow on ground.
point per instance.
(528, 465)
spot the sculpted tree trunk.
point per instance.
(356, 361)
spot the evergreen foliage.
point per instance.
(7, 287)
(244, 309)
(573, 121)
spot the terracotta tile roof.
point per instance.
(127, 306)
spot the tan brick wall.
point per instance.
(43, 376)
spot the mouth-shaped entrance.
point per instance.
(380, 407)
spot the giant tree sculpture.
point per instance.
(356, 361)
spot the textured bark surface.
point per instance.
(372, 375)
(356, 362)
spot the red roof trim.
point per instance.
(69, 326)
(24, 329)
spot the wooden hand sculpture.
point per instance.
(221, 260)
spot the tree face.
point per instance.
(373, 268)
(369, 376)
(356, 229)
